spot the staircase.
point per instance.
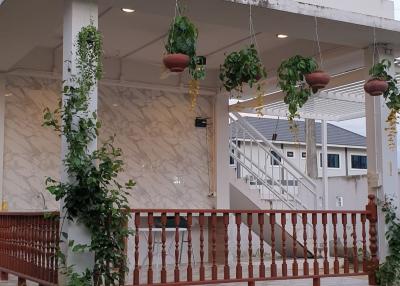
(266, 171)
(262, 178)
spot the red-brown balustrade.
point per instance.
(298, 245)
(28, 245)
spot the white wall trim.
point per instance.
(113, 82)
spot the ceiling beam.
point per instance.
(336, 81)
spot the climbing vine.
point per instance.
(388, 273)
(92, 196)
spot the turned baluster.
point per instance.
(325, 238)
(335, 244)
(176, 270)
(355, 251)
(284, 254)
(345, 249)
(295, 267)
(250, 239)
(150, 222)
(364, 243)
(202, 269)
(163, 248)
(272, 221)
(189, 272)
(136, 269)
(214, 269)
(314, 224)
(305, 250)
(238, 221)
(226, 247)
(262, 265)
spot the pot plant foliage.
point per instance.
(388, 273)
(291, 74)
(243, 67)
(93, 195)
(392, 95)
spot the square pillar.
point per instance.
(324, 152)
(77, 14)
(2, 124)
(382, 158)
(221, 122)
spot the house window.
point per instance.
(333, 160)
(275, 158)
(339, 201)
(290, 154)
(358, 162)
(303, 155)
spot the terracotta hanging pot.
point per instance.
(376, 86)
(176, 62)
(317, 80)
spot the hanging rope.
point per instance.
(177, 12)
(375, 48)
(318, 43)
(253, 38)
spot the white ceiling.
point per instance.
(133, 43)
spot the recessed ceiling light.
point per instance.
(8, 94)
(281, 36)
(115, 104)
(128, 10)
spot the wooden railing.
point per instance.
(28, 245)
(229, 256)
(196, 247)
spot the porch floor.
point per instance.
(348, 281)
(343, 281)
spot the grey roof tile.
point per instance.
(336, 135)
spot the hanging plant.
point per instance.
(181, 51)
(378, 84)
(93, 196)
(383, 83)
(243, 67)
(298, 78)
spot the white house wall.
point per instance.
(297, 160)
(164, 153)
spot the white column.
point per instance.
(382, 159)
(77, 14)
(2, 123)
(324, 152)
(221, 117)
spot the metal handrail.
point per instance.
(260, 174)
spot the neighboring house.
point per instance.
(346, 150)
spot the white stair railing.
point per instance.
(267, 170)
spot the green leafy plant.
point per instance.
(391, 95)
(92, 196)
(182, 39)
(243, 67)
(388, 273)
(291, 74)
